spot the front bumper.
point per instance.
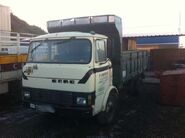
(60, 100)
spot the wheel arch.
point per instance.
(112, 89)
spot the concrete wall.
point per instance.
(5, 20)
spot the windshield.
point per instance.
(60, 51)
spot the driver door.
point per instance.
(102, 69)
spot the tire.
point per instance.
(108, 116)
(15, 91)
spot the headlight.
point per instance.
(81, 101)
(26, 95)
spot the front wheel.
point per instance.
(108, 116)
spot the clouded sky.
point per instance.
(138, 16)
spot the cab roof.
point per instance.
(67, 35)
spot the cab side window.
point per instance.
(101, 51)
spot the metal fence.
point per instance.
(13, 42)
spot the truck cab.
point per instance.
(69, 70)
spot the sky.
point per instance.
(138, 16)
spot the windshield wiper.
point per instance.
(36, 47)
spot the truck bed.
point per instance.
(13, 53)
(133, 63)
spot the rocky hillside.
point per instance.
(18, 25)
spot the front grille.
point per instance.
(52, 97)
(61, 98)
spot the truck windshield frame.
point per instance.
(60, 51)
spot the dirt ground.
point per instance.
(140, 116)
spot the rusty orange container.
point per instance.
(172, 87)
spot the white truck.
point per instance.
(13, 53)
(80, 66)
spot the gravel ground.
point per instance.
(139, 116)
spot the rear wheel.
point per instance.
(108, 116)
(135, 86)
